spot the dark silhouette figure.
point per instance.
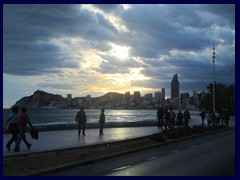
(218, 117)
(208, 118)
(167, 119)
(81, 119)
(186, 116)
(171, 117)
(101, 121)
(214, 118)
(179, 118)
(22, 121)
(203, 115)
(226, 117)
(12, 128)
(160, 116)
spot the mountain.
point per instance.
(40, 99)
(111, 100)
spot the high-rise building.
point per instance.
(163, 93)
(127, 95)
(158, 96)
(136, 95)
(69, 97)
(175, 87)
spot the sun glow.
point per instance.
(120, 52)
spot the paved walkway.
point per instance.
(61, 139)
(53, 140)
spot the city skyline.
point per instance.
(95, 49)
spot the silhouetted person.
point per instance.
(226, 117)
(81, 119)
(218, 117)
(203, 115)
(214, 118)
(101, 121)
(22, 121)
(171, 117)
(179, 118)
(160, 116)
(186, 116)
(208, 118)
(167, 118)
(12, 128)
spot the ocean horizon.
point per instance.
(67, 116)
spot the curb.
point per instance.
(170, 141)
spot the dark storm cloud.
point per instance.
(25, 25)
(154, 31)
(162, 28)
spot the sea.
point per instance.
(68, 116)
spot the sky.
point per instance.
(91, 49)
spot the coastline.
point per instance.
(54, 127)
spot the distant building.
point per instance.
(88, 98)
(127, 96)
(175, 102)
(175, 87)
(69, 97)
(184, 99)
(196, 98)
(136, 95)
(148, 96)
(158, 96)
(163, 93)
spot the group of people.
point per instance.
(215, 117)
(166, 118)
(17, 127)
(81, 119)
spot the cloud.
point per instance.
(72, 45)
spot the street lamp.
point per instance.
(213, 61)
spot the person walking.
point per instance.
(172, 117)
(160, 116)
(203, 115)
(81, 120)
(186, 116)
(179, 118)
(22, 121)
(101, 121)
(12, 128)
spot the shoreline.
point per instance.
(54, 127)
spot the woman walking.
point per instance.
(12, 128)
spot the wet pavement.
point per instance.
(62, 139)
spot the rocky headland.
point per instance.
(111, 100)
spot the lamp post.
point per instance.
(213, 61)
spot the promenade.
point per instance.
(62, 139)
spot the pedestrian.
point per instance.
(81, 119)
(167, 118)
(208, 118)
(179, 118)
(12, 127)
(160, 116)
(22, 121)
(186, 116)
(101, 121)
(203, 115)
(227, 117)
(218, 117)
(172, 117)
